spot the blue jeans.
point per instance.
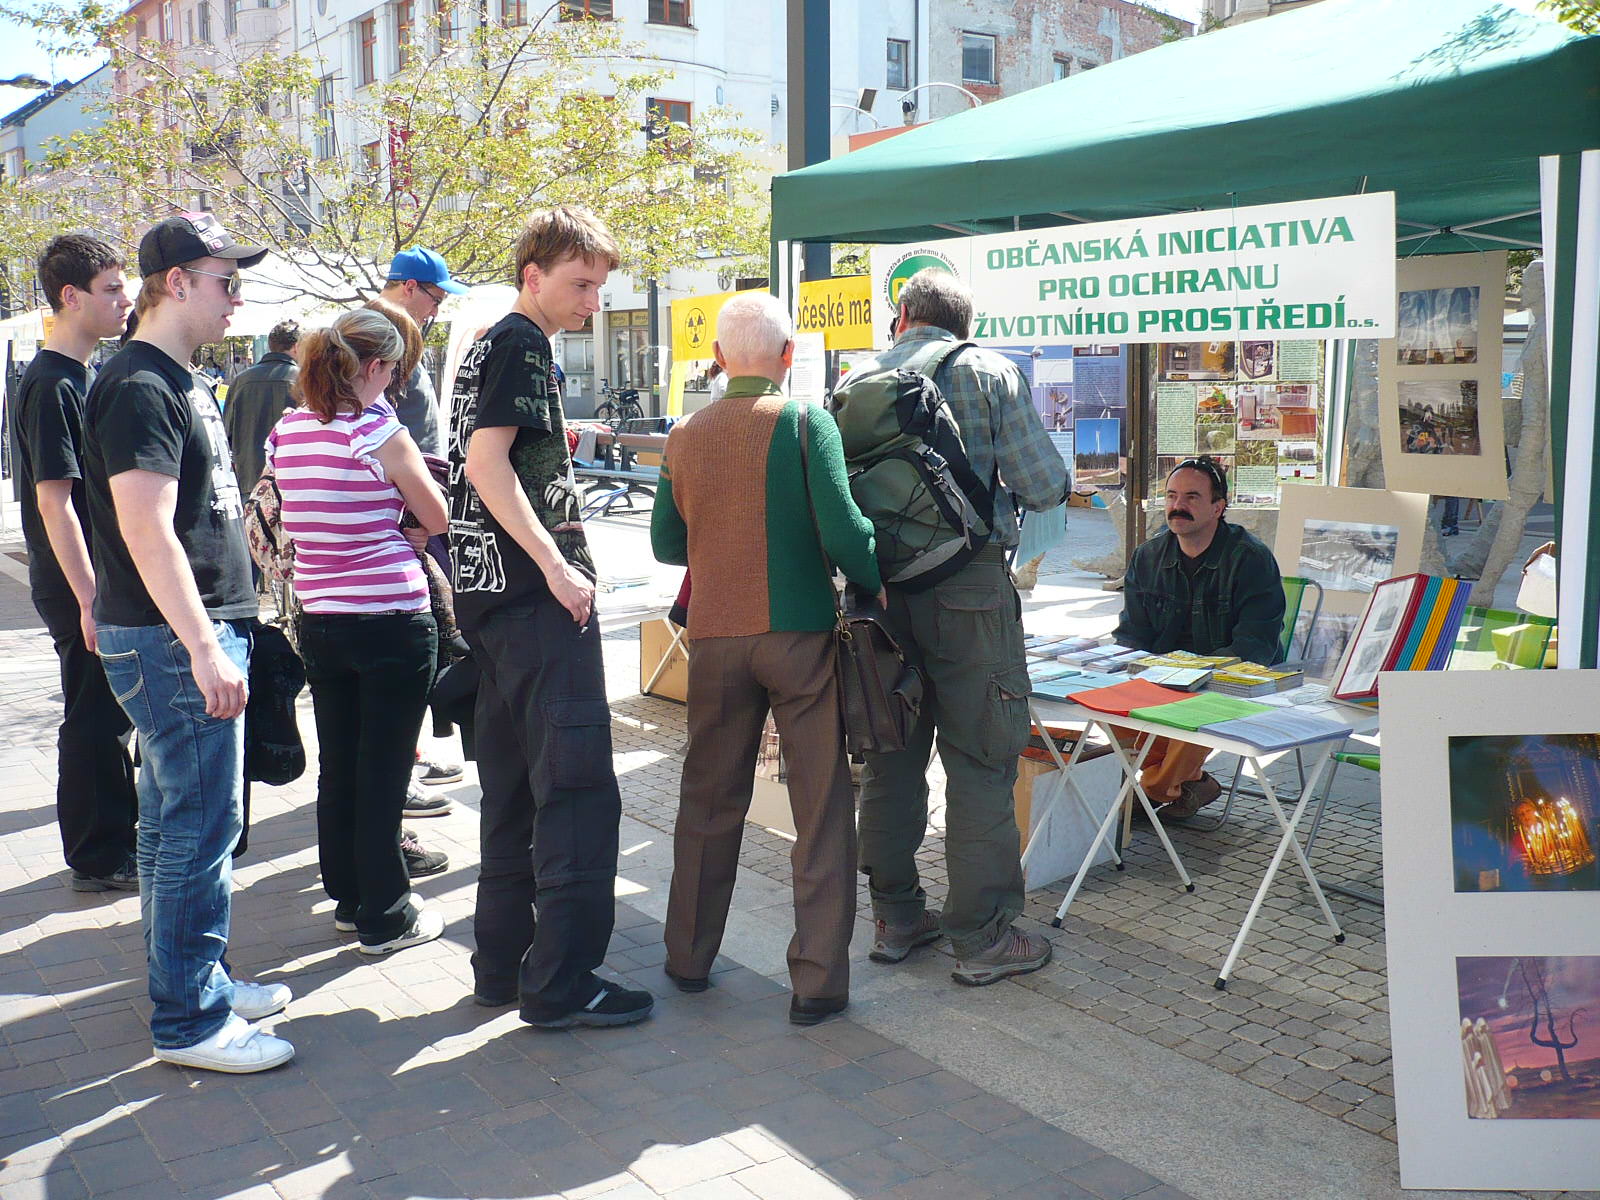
(190, 787)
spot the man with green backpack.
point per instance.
(932, 429)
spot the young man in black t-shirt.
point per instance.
(524, 583)
(173, 613)
(95, 802)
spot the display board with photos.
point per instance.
(1440, 423)
(1081, 396)
(1491, 826)
(1256, 407)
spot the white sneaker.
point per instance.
(238, 1048)
(252, 1001)
(425, 926)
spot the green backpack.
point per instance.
(909, 471)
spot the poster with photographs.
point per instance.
(1213, 399)
(1489, 835)
(1097, 444)
(1439, 420)
(1349, 539)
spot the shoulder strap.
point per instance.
(803, 426)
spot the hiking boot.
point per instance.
(435, 772)
(426, 924)
(1014, 953)
(124, 879)
(253, 1001)
(893, 942)
(424, 804)
(1193, 795)
(420, 863)
(238, 1048)
(613, 1004)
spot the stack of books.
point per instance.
(1252, 679)
(1182, 658)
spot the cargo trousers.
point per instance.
(966, 635)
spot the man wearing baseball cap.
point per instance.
(172, 610)
(418, 283)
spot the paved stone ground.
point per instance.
(403, 1088)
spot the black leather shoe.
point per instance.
(813, 1010)
(687, 983)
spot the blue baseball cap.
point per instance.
(424, 266)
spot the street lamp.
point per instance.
(908, 106)
(851, 108)
(31, 82)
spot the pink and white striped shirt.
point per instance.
(343, 514)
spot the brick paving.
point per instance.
(403, 1088)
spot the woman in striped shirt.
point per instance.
(347, 470)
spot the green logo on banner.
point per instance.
(908, 265)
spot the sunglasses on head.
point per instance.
(233, 281)
(1206, 464)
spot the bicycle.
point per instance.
(620, 405)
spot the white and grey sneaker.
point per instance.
(238, 1048)
(253, 1001)
(426, 925)
(434, 772)
(424, 804)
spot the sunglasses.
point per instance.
(1206, 464)
(233, 281)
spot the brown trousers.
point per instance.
(1168, 766)
(732, 683)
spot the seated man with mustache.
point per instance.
(1207, 587)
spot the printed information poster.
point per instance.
(1254, 406)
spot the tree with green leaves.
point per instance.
(1582, 15)
(478, 127)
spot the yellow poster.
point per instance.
(694, 325)
(839, 309)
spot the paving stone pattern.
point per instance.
(404, 1088)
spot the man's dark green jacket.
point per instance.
(1233, 606)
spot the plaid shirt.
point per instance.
(994, 410)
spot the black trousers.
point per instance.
(550, 809)
(96, 804)
(369, 677)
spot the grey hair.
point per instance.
(935, 297)
(753, 325)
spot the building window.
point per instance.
(663, 119)
(1061, 68)
(446, 21)
(977, 57)
(188, 20)
(513, 12)
(404, 22)
(203, 22)
(575, 10)
(669, 12)
(327, 140)
(372, 165)
(1085, 65)
(899, 75)
(230, 17)
(367, 50)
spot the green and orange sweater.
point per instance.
(732, 507)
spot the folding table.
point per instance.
(1320, 752)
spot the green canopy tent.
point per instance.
(1467, 110)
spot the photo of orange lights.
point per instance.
(1523, 811)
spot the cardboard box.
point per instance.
(1065, 836)
(655, 637)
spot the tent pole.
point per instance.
(1133, 489)
(1570, 185)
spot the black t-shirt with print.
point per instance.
(506, 380)
(147, 412)
(49, 444)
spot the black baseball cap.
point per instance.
(188, 236)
